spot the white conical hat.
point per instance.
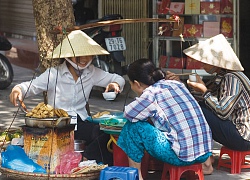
(77, 44)
(215, 51)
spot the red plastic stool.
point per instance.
(175, 172)
(236, 162)
(121, 159)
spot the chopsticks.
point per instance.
(184, 74)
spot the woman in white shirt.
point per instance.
(68, 87)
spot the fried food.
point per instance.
(61, 113)
(46, 111)
(99, 114)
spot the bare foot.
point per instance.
(207, 166)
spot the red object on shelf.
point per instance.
(165, 29)
(210, 7)
(176, 8)
(193, 30)
(163, 6)
(226, 26)
(193, 64)
(176, 62)
(163, 61)
(236, 162)
(226, 6)
(176, 172)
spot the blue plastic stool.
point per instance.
(123, 173)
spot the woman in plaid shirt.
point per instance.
(165, 120)
(226, 98)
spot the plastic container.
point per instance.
(192, 78)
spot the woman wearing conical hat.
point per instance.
(226, 97)
(74, 80)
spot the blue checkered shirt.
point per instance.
(174, 111)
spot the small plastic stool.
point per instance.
(121, 159)
(175, 172)
(124, 173)
(236, 162)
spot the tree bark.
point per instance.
(51, 14)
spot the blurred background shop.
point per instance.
(142, 39)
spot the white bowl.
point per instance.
(109, 96)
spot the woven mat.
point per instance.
(35, 176)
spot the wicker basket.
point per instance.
(35, 176)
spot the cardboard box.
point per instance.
(45, 146)
(163, 6)
(192, 6)
(193, 64)
(163, 61)
(176, 8)
(176, 62)
(178, 27)
(226, 26)
(210, 7)
(226, 6)
(211, 29)
(193, 30)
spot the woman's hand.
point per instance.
(171, 76)
(198, 86)
(16, 94)
(113, 87)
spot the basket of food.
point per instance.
(44, 115)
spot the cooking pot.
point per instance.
(47, 122)
(79, 145)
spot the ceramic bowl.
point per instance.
(109, 96)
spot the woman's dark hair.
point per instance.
(143, 70)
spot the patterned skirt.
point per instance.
(135, 138)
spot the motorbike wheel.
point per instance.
(6, 72)
(100, 64)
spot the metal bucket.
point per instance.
(79, 145)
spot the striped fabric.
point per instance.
(232, 101)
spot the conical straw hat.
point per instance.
(215, 51)
(77, 44)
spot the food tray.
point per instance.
(113, 115)
(36, 176)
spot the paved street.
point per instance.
(97, 103)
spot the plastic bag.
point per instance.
(16, 159)
(68, 161)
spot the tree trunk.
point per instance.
(51, 14)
